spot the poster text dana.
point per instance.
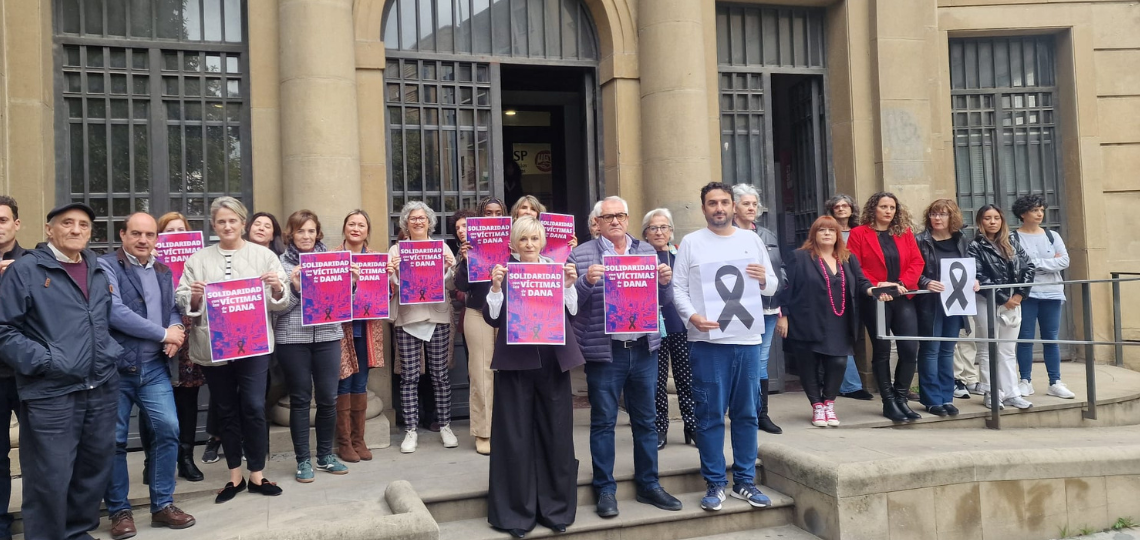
(535, 304)
(372, 297)
(235, 311)
(172, 249)
(630, 292)
(490, 240)
(326, 287)
(421, 272)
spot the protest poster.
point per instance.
(421, 272)
(372, 293)
(172, 249)
(732, 298)
(958, 276)
(535, 304)
(490, 241)
(326, 287)
(235, 311)
(630, 293)
(559, 231)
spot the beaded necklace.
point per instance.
(842, 284)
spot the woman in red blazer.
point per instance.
(888, 253)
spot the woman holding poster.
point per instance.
(533, 476)
(820, 316)
(238, 386)
(420, 327)
(309, 354)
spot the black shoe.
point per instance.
(765, 423)
(768, 426)
(913, 396)
(186, 467)
(690, 435)
(662, 440)
(891, 408)
(210, 454)
(951, 409)
(607, 505)
(901, 400)
(146, 471)
(859, 394)
(938, 410)
(660, 499)
(558, 528)
(229, 492)
(265, 488)
(517, 533)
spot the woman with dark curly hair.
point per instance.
(1047, 252)
(889, 256)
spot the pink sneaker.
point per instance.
(819, 415)
(829, 412)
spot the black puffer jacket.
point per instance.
(994, 269)
(933, 269)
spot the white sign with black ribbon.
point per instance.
(958, 277)
(732, 299)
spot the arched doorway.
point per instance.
(491, 97)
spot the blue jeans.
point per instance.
(150, 389)
(851, 380)
(936, 361)
(766, 346)
(1047, 315)
(726, 378)
(357, 383)
(633, 371)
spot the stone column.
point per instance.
(320, 139)
(674, 109)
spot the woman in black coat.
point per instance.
(533, 476)
(820, 317)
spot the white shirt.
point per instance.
(569, 299)
(59, 256)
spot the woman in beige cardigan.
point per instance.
(423, 331)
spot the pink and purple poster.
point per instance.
(235, 311)
(559, 231)
(421, 272)
(326, 287)
(172, 249)
(372, 295)
(490, 240)
(630, 291)
(535, 304)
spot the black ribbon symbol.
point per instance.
(537, 330)
(241, 346)
(732, 305)
(366, 308)
(633, 322)
(422, 293)
(958, 280)
(328, 313)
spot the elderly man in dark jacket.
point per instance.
(617, 363)
(10, 250)
(55, 308)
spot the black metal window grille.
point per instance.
(153, 111)
(1003, 101)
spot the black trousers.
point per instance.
(238, 391)
(534, 476)
(66, 447)
(821, 375)
(901, 320)
(311, 368)
(186, 404)
(9, 403)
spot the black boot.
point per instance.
(891, 406)
(186, 467)
(901, 400)
(146, 468)
(766, 424)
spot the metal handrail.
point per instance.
(994, 420)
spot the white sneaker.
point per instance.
(986, 402)
(1059, 389)
(410, 442)
(975, 388)
(1018, 402)
(449, 440)
(1025, 386)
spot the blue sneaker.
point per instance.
(330, 464)
(752, 494)
(305, 472)
(713, 497)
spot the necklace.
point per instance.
(842, 284)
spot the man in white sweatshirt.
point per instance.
(720, 274)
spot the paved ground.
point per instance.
(1125, 534)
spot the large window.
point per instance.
(1003, 98)
(152, 108)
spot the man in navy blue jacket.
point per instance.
(55, 310)
(617, 363)
(146, 322)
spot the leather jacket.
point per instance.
(933, 269)
(994, 269)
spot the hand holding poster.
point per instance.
(732, 298)
(490, 240)
(371, 298)
(535, 304)
(421, 272)
(959, 276)
(235, 311)
(559, 231)
(326, 287)
(172, 249)
(630, 292)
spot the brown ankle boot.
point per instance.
(359, 411)
(344, 413)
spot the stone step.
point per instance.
(783, 532)
(644, 522)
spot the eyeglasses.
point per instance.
(939, 215)
(610, 217)
(841, 205)
(417, 219)
(659, 228)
